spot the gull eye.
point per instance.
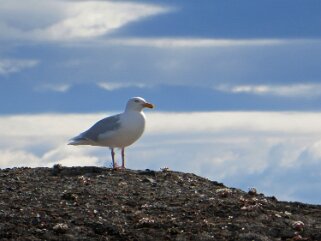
(136, 101)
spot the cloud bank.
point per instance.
(9, 66)
(291, 90)
(196, 42)
(61, 20)
(241, 149)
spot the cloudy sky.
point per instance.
(237, 85)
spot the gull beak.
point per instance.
(148, 105)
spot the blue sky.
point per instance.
(225, 55)
(228, 61)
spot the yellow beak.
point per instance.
(148, 105)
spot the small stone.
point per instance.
(148, 172)
(40, 231)
(148, 179)
(84, 180)
(145, 220)
(252, 191)
(60, 228)
(298, 237)
(70, 196)
(298, 225)
(224, 192)
(56, 169)
(165, 169)
(288, 214)
(277, 215)
(122, 184)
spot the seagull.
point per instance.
(117, 131)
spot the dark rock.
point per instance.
(56, 169)
(70, 196)
(92, 203)
(148, 172)
(252, 236)
(60, 228)
(103, 228)
(252, 191)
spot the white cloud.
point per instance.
(196, 42)
(176, 42)
(68, 156)
(92, 19)
(293, 90)
(311, 153)
(12, 158)
(59, 20)
(315, 150)
(53, 87)
(114, 86)
(62, 155)
(9, 66)
(41, 140)
(232, 122)
(241, 149)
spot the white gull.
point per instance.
(117, 131)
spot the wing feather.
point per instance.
(103, 126)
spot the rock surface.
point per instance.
(92, 203)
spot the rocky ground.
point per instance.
(91, 203)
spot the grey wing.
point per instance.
(107, 124)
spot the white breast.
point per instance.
(131, 128)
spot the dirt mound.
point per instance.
(92, 203)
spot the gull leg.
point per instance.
(123, 157)
(113, 157)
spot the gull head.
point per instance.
(137, 104)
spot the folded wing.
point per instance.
(91, 136)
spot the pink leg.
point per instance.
(123, 157)
(113, 157)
